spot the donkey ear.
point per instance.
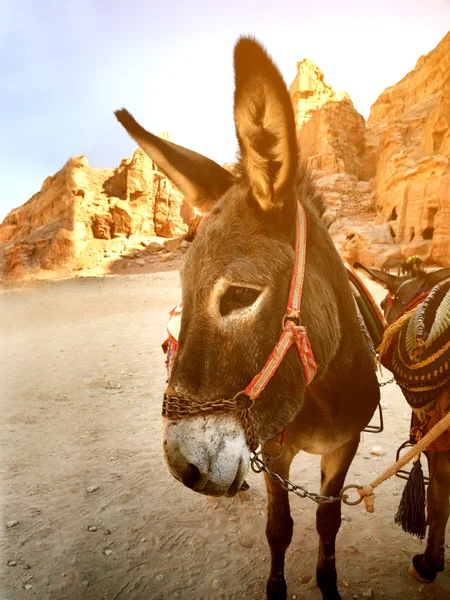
(436, 277)
(386, 279)
(265, 125)
(200, 179)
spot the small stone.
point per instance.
(91, 489)
(108, 552)
(378, 451)
(140, 262)
(27, 586)
(26, 566)
(218, 584)
(246, 541)
(92, 528)
(143, 540)
(367, 593)
(12, 523)
(421, 588)
(172, 244)
(159, 577)
(154, 247)
(345, 583)
(111, 385)
(84, 583)
(166, 257)
(107, 532)
(396, 493)
(346, 518)
(12, 563)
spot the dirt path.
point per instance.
(82, 377)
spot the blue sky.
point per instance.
(65, 66)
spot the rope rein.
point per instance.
(366, 491)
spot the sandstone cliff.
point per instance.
(387, 181)
(82, 215)
(409, 130)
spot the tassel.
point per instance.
(411, 511)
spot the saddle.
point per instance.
(421, 352)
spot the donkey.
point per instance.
(392, 265)
(235, 286)
(401, 292)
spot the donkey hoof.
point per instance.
(276, 589)
(419, 569)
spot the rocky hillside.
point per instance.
(82, 216)
(386, 182)
(409, 130)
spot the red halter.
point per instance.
(292, 332)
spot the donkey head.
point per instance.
(402, 290)
(236, 277)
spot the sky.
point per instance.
(66, 66)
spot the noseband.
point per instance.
(293, 332)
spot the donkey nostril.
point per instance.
(191, 476)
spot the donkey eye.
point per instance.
(237, 297)
(242, 295)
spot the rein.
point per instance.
(293, 332)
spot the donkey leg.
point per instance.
(279, 521)
(334, 468)
(426, 566)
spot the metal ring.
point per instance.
(271, 458)
(344, 497)
(295, 320)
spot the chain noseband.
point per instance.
(293, 332)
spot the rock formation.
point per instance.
(409, 129)
(80, 214)
(386, 182)
(308, 91)
(331, 136)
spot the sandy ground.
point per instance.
(82, 377)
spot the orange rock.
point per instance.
(80, 212)
(409, 126)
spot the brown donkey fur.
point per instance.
(235, 286)
(403, 290)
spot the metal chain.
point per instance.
(387, 382)
(259, 462)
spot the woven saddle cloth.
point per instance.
(421, 353)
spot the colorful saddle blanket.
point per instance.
(421, 351)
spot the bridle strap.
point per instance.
(292, 333)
